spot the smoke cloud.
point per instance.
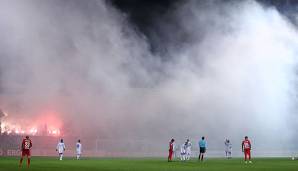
(228, 69)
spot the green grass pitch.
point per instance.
(148, 164)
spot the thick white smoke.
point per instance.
(230, 72)
(237, 72)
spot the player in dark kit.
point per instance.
(246, 148)
(25, 148)
(171, 150)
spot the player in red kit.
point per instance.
(26, 147)
(246, 147)
(171, 150)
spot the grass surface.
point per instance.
(147, 164)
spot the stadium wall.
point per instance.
(95, 147)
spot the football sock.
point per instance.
(21, 160)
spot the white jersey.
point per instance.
(228, 146)
(188, 147)
(183, 149)
(60, 147)
(79, 148)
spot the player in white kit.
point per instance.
(183, 152)
(188, 149)
(79, 149)
(60, 148)
(228, 149)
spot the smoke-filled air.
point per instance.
(221, 69)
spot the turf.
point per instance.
(148, 164)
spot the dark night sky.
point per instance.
(146, 15)
(143, 12)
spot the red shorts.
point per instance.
(247, 154)
(171, 152)
(26, 153)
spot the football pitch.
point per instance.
(148, 164)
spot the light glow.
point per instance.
(48, 124)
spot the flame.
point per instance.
(33, 131)
(54, 132)
(46, 124)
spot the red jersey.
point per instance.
(171, 146)
(246, 145)
(26, 144)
